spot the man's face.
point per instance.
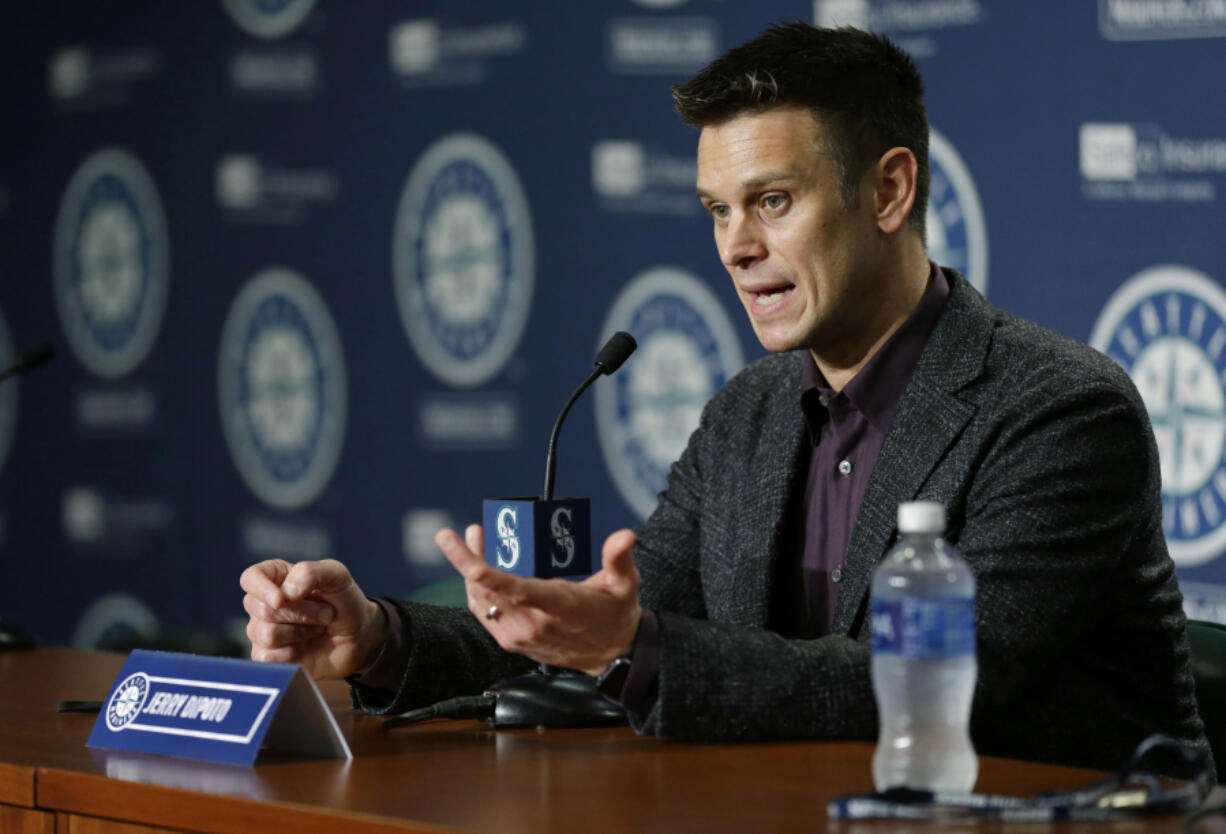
(803, 263)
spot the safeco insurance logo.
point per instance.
(1167, 327)
(912, 24)
(632, 177)
(1127, 162)
(687, 350)
(1148, 20)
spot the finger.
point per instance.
(300, 613)
(549, 594)
(324, 577)
(288, 654)
(616, 556)
(277, 635)
(480, 600)
(462, 558)
(474, 538)
(264, 579)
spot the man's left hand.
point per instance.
(576, 625)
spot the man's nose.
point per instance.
(741, 242)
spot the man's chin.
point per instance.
(777, 341)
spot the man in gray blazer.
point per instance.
(738, 610)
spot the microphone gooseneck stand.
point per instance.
(548, 696)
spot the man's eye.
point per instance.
(774, 201)
(719, 212)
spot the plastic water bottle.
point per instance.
(924, 668)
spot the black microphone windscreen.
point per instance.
(615, 351)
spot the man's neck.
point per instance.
(885, 315)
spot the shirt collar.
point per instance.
(876, 389)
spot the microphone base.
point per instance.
(553, 698)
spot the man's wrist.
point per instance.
(373, 636)
(612, 680)
(623, 648)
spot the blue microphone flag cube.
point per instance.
(545, 539)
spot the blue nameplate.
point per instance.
(216, 709)
(545, 539)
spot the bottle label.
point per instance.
(914, 627)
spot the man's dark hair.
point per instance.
(861, 87)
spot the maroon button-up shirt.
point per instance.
(846, 429)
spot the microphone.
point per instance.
(32, 358)
(546, 537)
(615, 351)
(543, 537)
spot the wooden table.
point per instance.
(440, 776)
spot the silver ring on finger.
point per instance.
(493, 612)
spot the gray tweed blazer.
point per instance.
(1042, 453)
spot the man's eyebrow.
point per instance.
(758, 182)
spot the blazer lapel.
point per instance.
(927, 422)
(773, 476)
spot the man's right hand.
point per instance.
(311, 613)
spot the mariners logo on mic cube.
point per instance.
(536, 537)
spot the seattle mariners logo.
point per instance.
(8, 395)
(126, 701)
(268, 19)
(508, 538)
(111, 263)
(283, 391)
(463, 259)
(561, 529)
(1167, 327)
(687, 350)
(957, 236)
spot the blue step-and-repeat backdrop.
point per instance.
(321, 274)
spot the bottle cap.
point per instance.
(921, 517)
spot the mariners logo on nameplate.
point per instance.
(463, 259)
(957, 236)
(125, 703)
(1167, 327)
(111, 263)
(283, 391)
(216, 709)
(687, 349)
(268, 19)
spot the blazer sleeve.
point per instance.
(1081, 629)
(449, 654)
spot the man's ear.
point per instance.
(895, 176)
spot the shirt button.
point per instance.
(836, 575)
(844, 467)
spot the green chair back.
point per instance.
(447, 591)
